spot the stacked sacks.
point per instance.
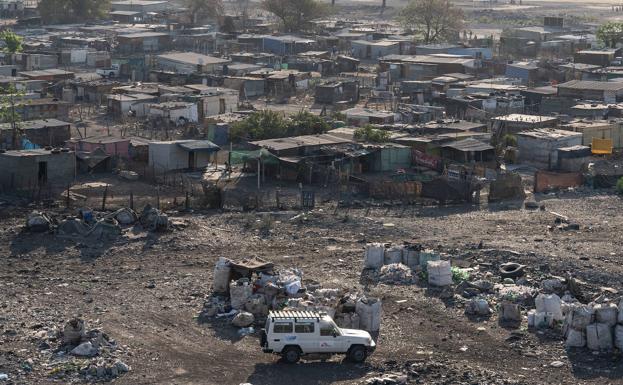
(548, 310)
(599, 335)
(426, 256)
(577, 320)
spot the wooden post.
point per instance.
(187, 203)
(67, 203)
(131, 200)
(104, 197)
(158, 198)
(258, 173)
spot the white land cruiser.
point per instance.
(295, 333)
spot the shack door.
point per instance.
(42, 175)
(191, 160)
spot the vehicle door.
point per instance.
(306, 335)
(282, 334)
(329, 340)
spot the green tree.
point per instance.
(66, 11)
(10, 102)
(259, 125)
(370, 134)
(610, 33)
(12, 41)
(201, 10)
(296, 15)
(619, 186)
(269, 124)
(434, 20)
(306, 123)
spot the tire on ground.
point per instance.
(511, 270)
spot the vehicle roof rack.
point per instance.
(297, 315)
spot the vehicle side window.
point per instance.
(282, 327)
(304, 327)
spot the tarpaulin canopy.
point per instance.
(239, 157)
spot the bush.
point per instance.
(370, 134)
(269, 124)
(619, 186)
(459, 275)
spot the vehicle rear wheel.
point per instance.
(291, 354)
(357, 354)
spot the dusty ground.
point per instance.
(145, 291)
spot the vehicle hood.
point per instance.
(356, 333)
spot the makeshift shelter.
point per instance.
(468, 150)
(181, 154)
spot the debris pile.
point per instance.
(93, 225)
(90, 354)
(38, 222)
(399, 265)
(255, 288)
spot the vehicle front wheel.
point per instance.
(357, 354)
(291, 354)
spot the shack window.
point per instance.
(282, 327)
(304, 327)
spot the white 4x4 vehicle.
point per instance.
(295, 333)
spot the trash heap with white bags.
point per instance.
(595, 326)
(398, 264)
(247, 300)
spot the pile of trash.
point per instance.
(396, 274)
(97, 225)
(247, 290)
(400, 265)
(91, 354)
(595, 326)
(38, 222)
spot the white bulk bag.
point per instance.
(606, 313)
(222, 270)
(369, 311)
(393, 255)
(575, 339)
(549, 303)
(599, 336)
(375, 255)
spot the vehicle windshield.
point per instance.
(329, 328)
(336, 328)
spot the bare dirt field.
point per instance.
(145, 290)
